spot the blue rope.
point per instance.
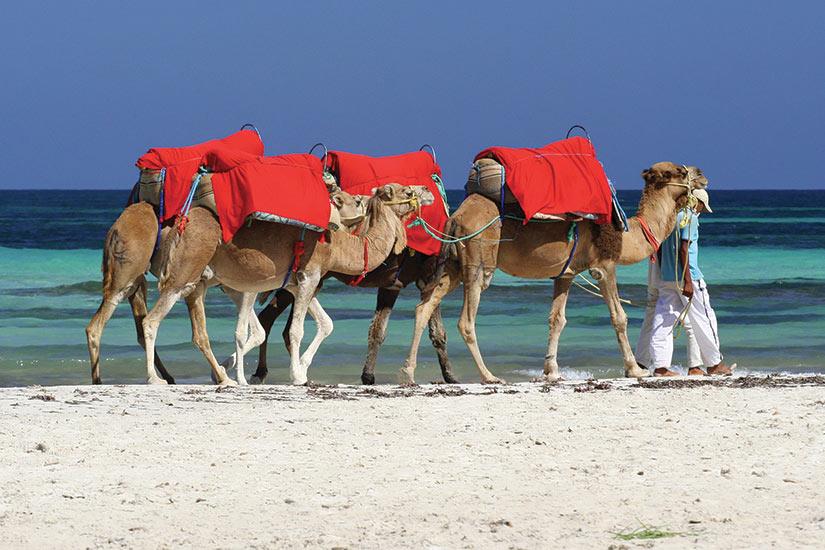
(188, 204)
(575, 230)
(443, 192)
(160, 207)
(503, 183)
(450, 239)
(618, 207)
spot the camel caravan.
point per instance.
(274, 228)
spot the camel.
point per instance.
(392, 276)
(260, 257)
(130, 251)
(541, 251)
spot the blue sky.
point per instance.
(734, 87)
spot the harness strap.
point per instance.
(133, 195)
(575, 230)
(650, 237)
(357, 280)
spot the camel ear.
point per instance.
(337, 200)
(388, 192)
(683, 172)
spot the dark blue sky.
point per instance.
(734, 87)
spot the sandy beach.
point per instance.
(737, 463)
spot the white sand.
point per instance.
(148, 467)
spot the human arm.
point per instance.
(687, 288)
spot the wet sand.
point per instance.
(733, 463)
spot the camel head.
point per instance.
(404, 199)
(696, 177)
(351, 208)
(667, 177)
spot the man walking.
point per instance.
(644, 354)
(682, 288)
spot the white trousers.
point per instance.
(702, 319)
(644, 346)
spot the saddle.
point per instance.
(561, 181)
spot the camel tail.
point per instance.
(448, 252)
(111, 247)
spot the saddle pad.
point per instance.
(181, 164)
(288, 189)
(360, 174)
(561, 177)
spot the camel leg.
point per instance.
(94, 331)
(138, 302)
(304, 292)
(249, 333)
(467, 325)
(378, 331)
(607, 284)
(438, 337)
(325, 326)
(151, 323)
(557, 321)
(267, 318)
(197, 316)
(430, 300)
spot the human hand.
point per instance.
(687, 290)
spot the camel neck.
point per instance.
(658, 209)
(353, 254)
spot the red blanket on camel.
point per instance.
(181, 164)
(290, 188)
(561, 177)
(360, 174)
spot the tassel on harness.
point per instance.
(298, 249)
(357, 280)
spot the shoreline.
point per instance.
(731, 462)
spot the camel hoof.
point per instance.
(255, 380)
(242, 381)
(450, 379)
(228, 382)
(299, 381)
(493, 380)
(636, 372)
(156, 381)
(405, 378)
(549, 378)
(367, 379)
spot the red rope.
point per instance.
(651, 238)
(181, 221)
(357, 280)
(297, 252)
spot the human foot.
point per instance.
(696, 371)
(662, 371)
(720, 370)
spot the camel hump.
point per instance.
(485, 178)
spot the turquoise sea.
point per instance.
(763, 255)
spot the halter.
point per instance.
(414, 201)
(692, 201)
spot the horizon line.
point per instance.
(448, 189)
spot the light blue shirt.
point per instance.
(671, 267)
